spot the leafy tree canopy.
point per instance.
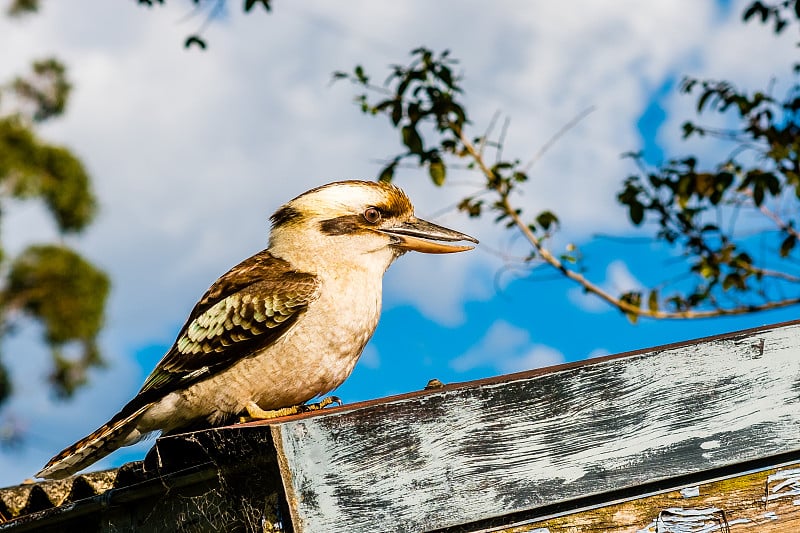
(693, 209)
(48, 282)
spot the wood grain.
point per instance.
(738, 503)
(464, 455)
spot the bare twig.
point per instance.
(546, 146)
(547, 256)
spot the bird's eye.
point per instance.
(372, 215)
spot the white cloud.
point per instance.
(370, 357)
(190, 152)
(598, 352)
(506, 348)
(617, 281)
(620, 279)
(539, 356)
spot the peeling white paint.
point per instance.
(678, 520)
(783, 484)
(695, 524)
(603, 426)
(690, 492)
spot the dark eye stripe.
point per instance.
(284, 215)
(342, 225)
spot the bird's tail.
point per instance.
(104, 440)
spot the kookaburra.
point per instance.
(282, 327)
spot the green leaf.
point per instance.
(387, 174)
(772, 183)
(446, 76)
(733, 280)
(413, 112)
(412, 140)
(652, 300)
(437, 171)
(701, 102)
(758, 193)
(248, 5)
(634, 299)
(546, 219)
(397, 112)
(360, 76)
(707, 270)
(471, 206)
(194, 40)
(5, 385)
(636, 212)
(788, 245)
(756, 8)
(382, 106)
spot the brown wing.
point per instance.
(244, 310)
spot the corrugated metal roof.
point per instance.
(32, 497)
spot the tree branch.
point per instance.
(589, 286)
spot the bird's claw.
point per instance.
(322, 404)
(254, 412)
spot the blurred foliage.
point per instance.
(48, 283)
(66, 294)
(18, 8)
(779, 13)
(693, 208)
(32, 169)
(46, 90)
(424, 96)
(210, 10)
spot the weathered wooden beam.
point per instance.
(493, 451)
(766, 501)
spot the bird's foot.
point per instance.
(254, 412)
(322, 404)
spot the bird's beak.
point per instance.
(418, 235)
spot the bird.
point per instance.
(282, 327)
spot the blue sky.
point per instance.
(191, 152)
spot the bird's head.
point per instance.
(362, 223)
